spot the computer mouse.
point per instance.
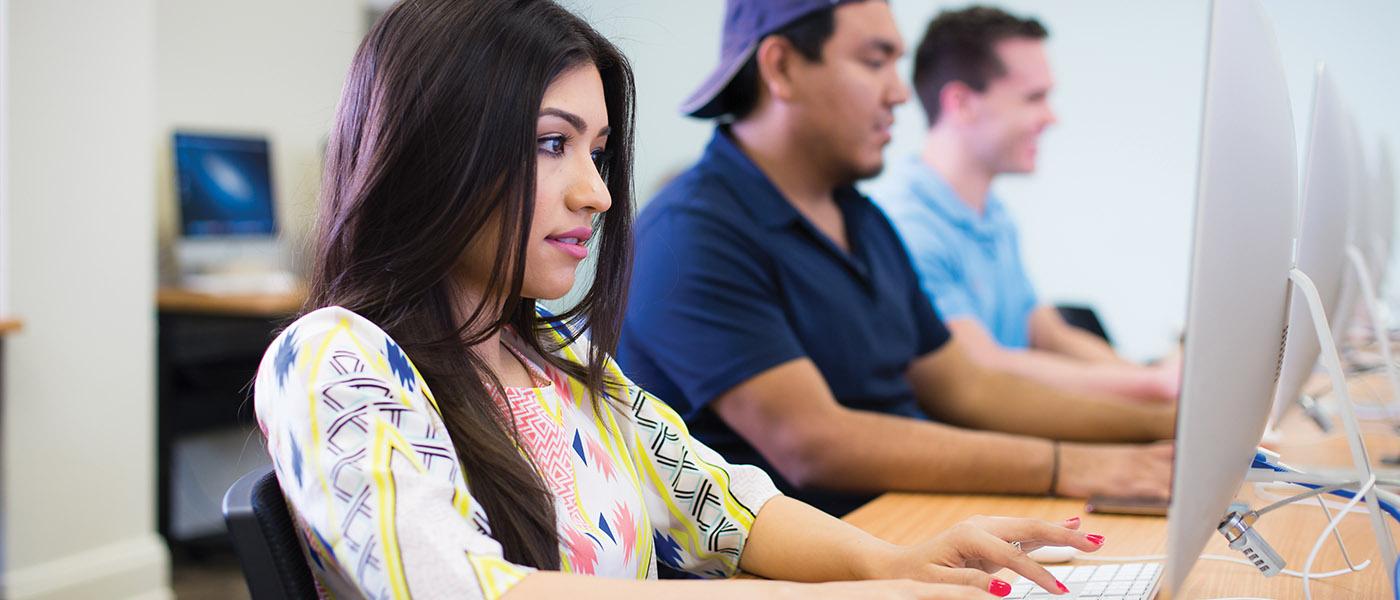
(1049, 555)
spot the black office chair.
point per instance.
(1084, 318)
(265, 538)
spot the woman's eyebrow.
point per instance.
(573, 119)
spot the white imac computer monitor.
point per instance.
(1383, 199)
(1246, 202)
(1358, 228)
(1321, 249)
(228, 239)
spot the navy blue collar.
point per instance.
(765, 203)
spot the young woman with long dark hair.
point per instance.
(481, 150)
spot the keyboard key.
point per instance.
(1130, 581)
(1105, 573)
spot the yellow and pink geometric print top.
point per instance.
(385, 511)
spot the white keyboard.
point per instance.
(1128, 581)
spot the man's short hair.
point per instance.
(961, 46)
(807, 35)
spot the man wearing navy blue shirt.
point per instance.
(777, 310)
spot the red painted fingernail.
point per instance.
(1072, 522)
(1063, 589)
(999, 588)
(1094, 539)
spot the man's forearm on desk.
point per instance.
(954, 389)
(1018, 405)
(867, 451)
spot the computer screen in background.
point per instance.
(225, 186)
(1327, 186)
(228, 242)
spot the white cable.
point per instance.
(1331, 525)
(1322, 438)
(1260, 488)
(1221, 558)
(1291, 572)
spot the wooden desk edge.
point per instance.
(260, 305)
(10, 325)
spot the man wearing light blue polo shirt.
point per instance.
(984, 82)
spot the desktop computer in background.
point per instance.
(1358, 224)
(228, 242)
(1321, 248)
(1385, 203)
(1238, 339)
(1245, 281)
(1382, 210)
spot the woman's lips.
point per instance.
(572, 246)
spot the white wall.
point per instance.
(79, 423)
(1107, 219)
(258, 66)
(267, 67)
(672, 47)
(4, 210)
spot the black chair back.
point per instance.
(265, 539)
(1084, 318)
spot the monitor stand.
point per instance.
(234, 266)
(1361, 463)
(1379, 322)
(240, 283)
(1388, 409)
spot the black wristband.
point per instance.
(1054, 466)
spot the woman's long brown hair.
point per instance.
(434, 146)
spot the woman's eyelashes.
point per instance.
(555, 145)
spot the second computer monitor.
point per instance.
(225, 186)
(1327, 186)
(1385, 202)
(227, 210)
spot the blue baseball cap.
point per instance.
(746, 23)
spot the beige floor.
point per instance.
(215, 578)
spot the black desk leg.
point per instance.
(164, 422)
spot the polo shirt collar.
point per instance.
(933, 191)
(765, 203)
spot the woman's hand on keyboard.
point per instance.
(970, 551)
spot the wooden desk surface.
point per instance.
(1292, 530)
(10, 325)
(171, 299)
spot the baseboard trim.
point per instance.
(133, 568)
